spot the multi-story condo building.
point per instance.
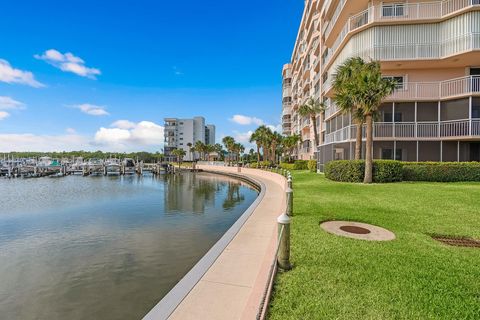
(180, 133)
(432, 49)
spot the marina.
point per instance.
(47, 166)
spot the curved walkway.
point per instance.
(233, 286)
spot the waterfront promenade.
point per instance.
(233, 287)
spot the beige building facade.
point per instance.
(432, 49)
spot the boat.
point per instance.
(129, 166)
(95, 166)
(112, 166)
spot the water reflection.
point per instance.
(107, 247)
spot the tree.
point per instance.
(255, 137)
(179, 153)
(262, 136)
(289, 143)
(228, 142)
(311, 109)
(370, 89)
(200, 148)
(275, 140)
(189, 145)
(344, 81)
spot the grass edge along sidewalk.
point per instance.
(412, 277)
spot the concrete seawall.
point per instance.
(230, 280)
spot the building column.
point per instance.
(470, 107)
(394, 149)
(439, 118)
(458, 151)
(417, 150)
(441, 151)
(415, 120)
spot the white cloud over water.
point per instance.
(127, 135)
(10, 74)
(68, 62)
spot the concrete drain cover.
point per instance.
(358, 230)
(457, 241)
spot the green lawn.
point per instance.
(412, 277)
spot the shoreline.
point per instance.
(230, 280)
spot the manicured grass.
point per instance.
(412, 277)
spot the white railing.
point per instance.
(437, 90)
(405, 12)
(413, 130)
(332, 22)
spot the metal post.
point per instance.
(289, 193)
(238, 168)
(289, 182)
(283, 257)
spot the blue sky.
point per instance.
(69, 71)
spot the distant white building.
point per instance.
(179, 133)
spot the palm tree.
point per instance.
(228, 142)
(311, 109)
(200, 148)
(275, 141)
(344, 80)
(289, 143)
(255, 137)
(218, 149)
(189, 145)
(180, 153)
(371, 88)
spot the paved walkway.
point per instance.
(234, 285)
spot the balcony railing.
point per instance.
(399, 12)
(411, 130)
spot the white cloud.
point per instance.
(177, 71)
(4, 115)
(69, 63)
(92, 109)
(9, 74)
(7, 103)
(246, 120)
(70, 131)
(127, 135)
(31, 142)
(124, 124)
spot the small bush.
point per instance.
(441, 171)
(287, 166)
(312, 165)
(354, 170)
(300, 165)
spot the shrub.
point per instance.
(312, 165)
(354, 170)
(300, 165)
(441, 171)
(287, 166)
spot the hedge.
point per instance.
(354, 170)
(441, 171)
(312, 165)
(394, 171)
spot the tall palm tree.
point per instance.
(255, 137)
(371, 89)
(311, 109)
(275, 141)
(289, 143)
(344, 80)
(264, 134)
(228, 142)
(200, 148)
(179, 153)
(189, 145)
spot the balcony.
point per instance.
(399, 13)
(454, 129)
(432, 91)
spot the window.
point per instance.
(393, 10)
(400, 80)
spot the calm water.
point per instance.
(107, 247)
